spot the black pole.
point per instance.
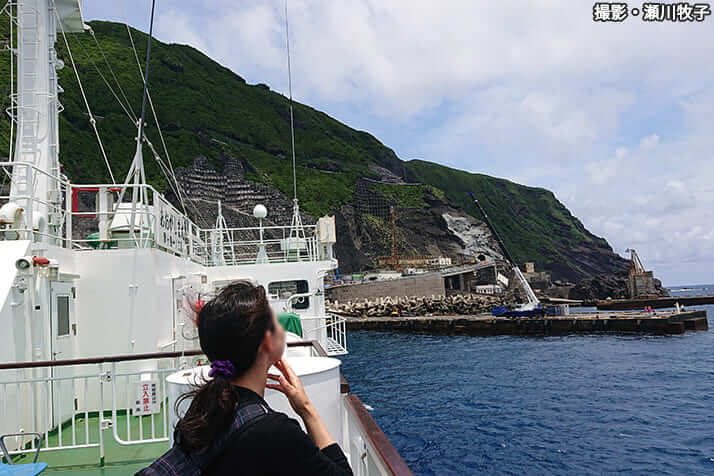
(493, 230)
(146, 73)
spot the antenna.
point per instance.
(296, 224)
(136, 171)
(146, 73)
(290, 101)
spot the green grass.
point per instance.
(404, 196)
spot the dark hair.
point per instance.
(231, 327)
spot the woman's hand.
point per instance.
(289, 384)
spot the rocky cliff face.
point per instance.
(208, 110)
(437, 229)
(203, 186)
(606, 286)
(426, 223)
(533, 223)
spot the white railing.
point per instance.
(243, 245)
(86, 217)
(330, 330)
(55, 229)
(37, 393)
(73, 405)
(122, 384)
(100, 223)
(79, 401)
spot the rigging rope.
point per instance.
(166, 171)
(171, 175)
(129, 114)
(290, 91)
(99, 47)
(92, 120)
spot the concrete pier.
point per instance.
(487, 325)
(656, 303)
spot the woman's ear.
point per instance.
(267, 343)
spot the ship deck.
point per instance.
(118, 459)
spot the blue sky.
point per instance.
(615, 118)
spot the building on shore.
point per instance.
(539, 280)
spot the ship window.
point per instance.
(285, 289)
(62, 315)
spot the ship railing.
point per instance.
(330, 329)
(99, 222)
(24, 176)
(74, 403)
(262, 244)
(368, 449)
(158, 223)
(87, 217)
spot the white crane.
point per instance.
(533, 301)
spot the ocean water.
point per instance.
(580, 404)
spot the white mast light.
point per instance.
(260, 212)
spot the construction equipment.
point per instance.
(639, 281)
(636, 263)
(533, 307)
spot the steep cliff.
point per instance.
(208, 111)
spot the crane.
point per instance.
(637, 266)
(533, 306)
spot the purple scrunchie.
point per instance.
(222, 368)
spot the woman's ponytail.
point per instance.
(230, 327)
(212, 410)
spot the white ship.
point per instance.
(96, 333)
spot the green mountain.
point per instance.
(207, 110)
(535, 225)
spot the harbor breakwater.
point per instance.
(487, 325)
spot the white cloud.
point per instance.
(614, 118)
(176, 21)
(663, 208)
(649, 142)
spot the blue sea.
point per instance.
(579, 404)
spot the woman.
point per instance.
(242, 338)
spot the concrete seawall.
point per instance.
(418, 285)
(657, 303)
(486, 325)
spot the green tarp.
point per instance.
(94, 242)
(290, 322)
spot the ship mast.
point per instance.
(296, 223)
(36, 175)
(137, 174)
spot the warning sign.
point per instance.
(147, 399)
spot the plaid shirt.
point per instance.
(175, 462)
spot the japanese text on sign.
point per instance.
(147, 400)
(173, 228)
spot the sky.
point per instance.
(616, 118)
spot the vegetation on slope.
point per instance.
(535, 225)
(206, 109)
